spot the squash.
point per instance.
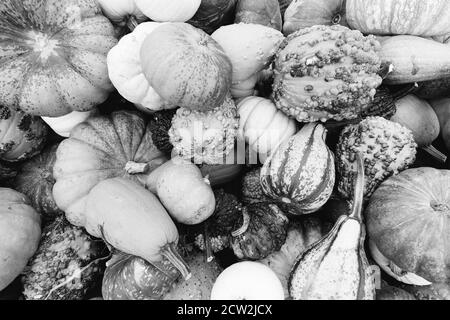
(183, 191)
(132, 220)
(407, 219)
(413, 17)
(442, 109)
(419, 59)
(132, 278)
(53, 56)
(251, 190)
(307, 13)
(247, 280)
(393, 293)
(103, 147)
(21, 136)
(212, 14)
(123, 12)
(126, 71)
(266, 13)
(20, 232)
(307, 156)
(263, 126)
(186, 67)
(168, 11)
(250, 48)
(220, 174)
(35, 180)
(63, 125)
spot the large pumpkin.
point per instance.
(103, 147)
(53, 55)
(413, 17)
(21, 136)
(408, 220)
(20, 232)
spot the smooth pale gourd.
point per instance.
(169, 11)
(64, 125)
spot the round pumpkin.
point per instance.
(408, 221)
(21, 136)
(212, 14)
(186, 67)
(118, 145)
(413, 17)
(53, 56)
(63, 125)
(168, 11)
(20, 232)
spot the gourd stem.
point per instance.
(132, 23)
(358, 192)
(133, 167)
(207, 241)
(170, 253)
(245, 224)
(435, 153)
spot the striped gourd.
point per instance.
(301, 172)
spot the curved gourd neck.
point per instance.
(358, 192)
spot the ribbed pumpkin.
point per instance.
(301, 172)
(414, 17)
(118, 145)
(53, 55)
(21, 136)
(20, 233)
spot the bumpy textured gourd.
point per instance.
(251, 190)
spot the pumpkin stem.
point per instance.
(132, 23)
(245, 224)
(358, 192)
(170, 253)
(435, 153)
(133, 167)
(207, 241)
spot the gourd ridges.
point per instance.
(387, 149)
(345, 61)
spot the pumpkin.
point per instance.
(212, 14)
(442, 109)
(35, 180)
(307, 156)
(20, 232)
(266, 13)
(168, 11)
(186, 67)
(307, 13)
(183, 191)
(407, 219)
(63, 125)
(103, 147)
(263, 126)
(132, 278)
(414, 17)
(53, 56)
(131, 219)
(419, 59)
(123, 12)
(247, 280)
(126, 70)
(21, 136)
(250, 48)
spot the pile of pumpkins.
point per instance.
(224, 149)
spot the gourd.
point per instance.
(420, 18)
(168, 11)
(250, 47)
(123, 12)
(263, 126)
(307, 13)
(251, 190)
(22, 136)
(435, 291)
(115, 145)
(393, 293)
(126, 71)
(183, 191)
(247, 280)
(221, 173)
(442, 109)
(178, 55)
(284, 4)
(20, 232)
(319, 82)
(132, 278)
(407, 220)
(132, 220)
(266, 13)
(160, 124)
(53, 57)
(336, 267)
(304, 155)
(212, 14)
(63, 125)
(419, 60)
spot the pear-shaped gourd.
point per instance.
(336, 267)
